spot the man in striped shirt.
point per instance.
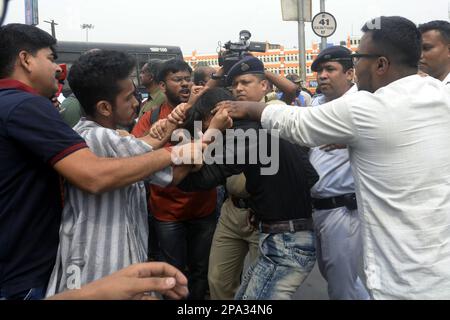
(103, 233)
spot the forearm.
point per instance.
(215, 83)
(255, 110)
(157, 143)
(180, 172)
(284, 85)
(96, 175)
(202, 181)
(77, 294)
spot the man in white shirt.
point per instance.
(435, 59)
(335, 216)
(397, 130)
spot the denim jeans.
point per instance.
(285, 260)
(187, 244)
(30, 294)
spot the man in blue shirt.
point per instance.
(35, 146)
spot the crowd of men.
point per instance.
(361, 181)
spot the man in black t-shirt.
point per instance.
(279, 192)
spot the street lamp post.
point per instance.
(323, 44)
(53, 24)
(301, 41)
(87, 27)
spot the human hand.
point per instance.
(233, 108)
(178, 115)
(242, 109)
(158, 129)
(196, 93)
(221, 120)
(133, 283)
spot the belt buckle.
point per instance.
(333, 201)
(291, 226)
(350, 201)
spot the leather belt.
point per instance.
(240, 203)
(346, 200)
(291, 226)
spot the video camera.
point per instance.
(235, 51)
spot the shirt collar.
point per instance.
(447, 79)
(353, 89)
(154, 93)
(15, 84)
(322, 100)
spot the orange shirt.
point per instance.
(171, 203)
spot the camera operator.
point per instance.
(237, 51)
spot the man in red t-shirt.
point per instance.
(184, 221)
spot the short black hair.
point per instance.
(172, 66)
(204, 105)
(439, 25)
(152, 66)
(346, 65)
(17, 37)
(201, 74)
(95, 75)
(397, 38)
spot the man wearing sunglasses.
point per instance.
(397, 129)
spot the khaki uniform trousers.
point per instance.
(233, 240)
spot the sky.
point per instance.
(201, 24)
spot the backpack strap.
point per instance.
(155, 115)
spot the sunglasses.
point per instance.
(357, 56)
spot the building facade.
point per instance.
(277, 59)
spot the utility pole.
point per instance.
(87, 27)
(301, 41)
(53, 24)
(323, 44)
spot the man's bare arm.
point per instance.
(242, 109)
(286, 86)
(133, 283)
(97, 175)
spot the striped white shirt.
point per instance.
(101, 234)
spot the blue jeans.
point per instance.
(30, 294)
(187, 244)
(285, 260)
